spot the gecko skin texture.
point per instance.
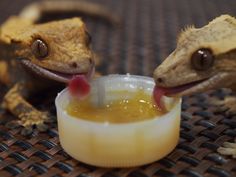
(35, 56)
(204, 59)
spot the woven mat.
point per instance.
(147, 35)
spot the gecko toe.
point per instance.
(27, 131)
(222, 109)
(228, 149)
(42, 127)
(226, 106)
(51, 119)
(230, 112)
(12, 124)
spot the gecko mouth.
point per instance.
(56, 75)
(193, 87)
(171, 91)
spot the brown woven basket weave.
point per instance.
(147, 35)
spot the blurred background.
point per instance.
(147, 32)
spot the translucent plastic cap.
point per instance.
(123, 144)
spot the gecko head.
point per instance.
(203, 59)
(56, 50)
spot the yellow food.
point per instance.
(137, 108)
(121, 127)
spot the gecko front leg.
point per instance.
(229, 106)
(228, 149)
(27, 114)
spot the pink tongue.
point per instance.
(79, 86)
(158, 93)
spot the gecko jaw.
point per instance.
(55, 75)
(196, 87)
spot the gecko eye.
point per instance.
(39, 49)
(202, 59)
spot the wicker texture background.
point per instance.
(147, 35)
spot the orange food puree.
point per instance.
(138, 107)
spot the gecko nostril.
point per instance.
(73, 65)
(91, 61)
(160, 80)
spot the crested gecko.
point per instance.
(34, 56)
(204, 59)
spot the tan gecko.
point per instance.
(204, 59)
(35, 56)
